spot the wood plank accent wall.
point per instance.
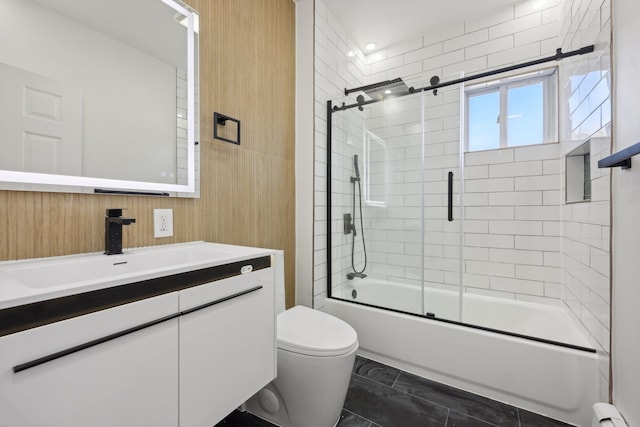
(247, 71)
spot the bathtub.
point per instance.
(560, 381)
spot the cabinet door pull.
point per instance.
(53, 356)
(223, 299)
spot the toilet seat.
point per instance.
(311, 332)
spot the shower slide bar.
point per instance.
(559, 55)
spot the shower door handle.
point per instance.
(450, 197)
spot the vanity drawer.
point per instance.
(227, 348)
(127, 376)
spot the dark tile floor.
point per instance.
(382, 396)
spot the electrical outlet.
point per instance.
(162, 223)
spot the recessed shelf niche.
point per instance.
(578, 174)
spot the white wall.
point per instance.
(626, 210)
(513, 220)
(585, 116)
(334, 71)
(108, 72)
(304, 151)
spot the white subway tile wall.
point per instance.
(585, 114)
(495, 186)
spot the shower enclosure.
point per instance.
(424, 224)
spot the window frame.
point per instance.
(549, 79)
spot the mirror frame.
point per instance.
(133, 186)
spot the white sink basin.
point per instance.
(80, 273)
(98, 267)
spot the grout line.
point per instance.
(446, 420)
(475, 418)
(407, 393)
(370, 379)
(518, 412)
(402, 392)
(396, 380)
(371, 423)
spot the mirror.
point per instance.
(98, 95)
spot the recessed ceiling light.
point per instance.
(370, 46)
(351, 54)
(387, 92)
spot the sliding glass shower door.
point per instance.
(442, 196)
(392, 244)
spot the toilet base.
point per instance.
(309, 391)
(267, 404)
(243, 408)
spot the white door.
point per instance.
(40, 124)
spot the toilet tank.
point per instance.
(278, 260)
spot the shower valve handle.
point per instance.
(349, 226)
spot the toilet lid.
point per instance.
(314, 333)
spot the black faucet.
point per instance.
(113, 223)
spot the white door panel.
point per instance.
(40, 123)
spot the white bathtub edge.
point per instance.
(554, 381)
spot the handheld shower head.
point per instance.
(355, 166)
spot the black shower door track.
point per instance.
(559, 55)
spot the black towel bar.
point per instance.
(622, 158)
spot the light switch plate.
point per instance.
(162, 223)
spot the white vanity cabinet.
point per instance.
(227, 345)
(181, 345)
(128, 380)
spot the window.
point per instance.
(511, 112)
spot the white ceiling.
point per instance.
(387, 22)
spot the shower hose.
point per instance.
(353, 241)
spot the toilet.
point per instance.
(316, 352)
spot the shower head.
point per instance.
(386, 89)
